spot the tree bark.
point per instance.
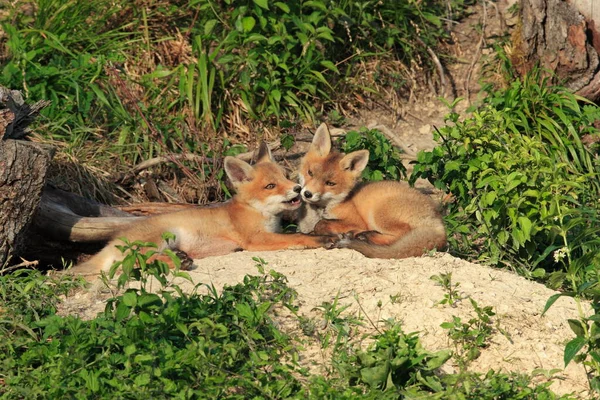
(23, 168)
(562, 37)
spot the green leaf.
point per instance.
(276, 94)
(245, 311)
(182, 327)
(263, 4)
(248, 23)
(130, 298)
(525, 225)
(572, 348)
(552, 299)
(283, 7)
(209, 26)
(577, 327)
(149, 299)
(142, 379)
(122, 311)
(376, 376)
(330, 66)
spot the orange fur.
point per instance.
(249, 221)
(382, 219)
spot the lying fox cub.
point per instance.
(249, 221)
(381, 220)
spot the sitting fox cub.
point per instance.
(249, 221)
(381, 219)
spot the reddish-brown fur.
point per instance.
(382, 219)
(249, 221)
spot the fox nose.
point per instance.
(297, 189)
(307, 194)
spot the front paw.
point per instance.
(328, 242)
(342, 240)
(186, 261)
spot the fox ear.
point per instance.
(355, 161)
(322, 141)
(264, 153)
(237, 170)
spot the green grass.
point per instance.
(210, 344)
(154, 77)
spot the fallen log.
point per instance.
(23, 168)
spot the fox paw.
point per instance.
(343, 240)
(186, 260)
(365, 236)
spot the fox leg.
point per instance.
(336, 227)
(186, 260)
(279, 241)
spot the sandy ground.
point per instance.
(376, 290)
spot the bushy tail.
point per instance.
(414, 244)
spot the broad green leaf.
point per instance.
(122, 311)
(248, 23)
(283, 7)
(572, 348)
(262, 4)
(330, 66)
(147, 299)
(130, 298)
(276, 94)
(209, 26)
(577, 327)
(552, 299)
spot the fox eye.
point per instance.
(329, 183)
(270, 186)
(310, 173)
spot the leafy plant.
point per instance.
(469, 337)
(452, 296)
(585, 346)
(384, 157)
(157, 77)
(156, 344)
(163, 342)
(519, 174)
(336, 324)
(396, 360)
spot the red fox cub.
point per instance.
(381, 220)
(249, 221)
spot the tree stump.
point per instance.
(23, 168)
(561, 37)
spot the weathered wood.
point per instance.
(23, 168)
(15, 115)
(562, 37)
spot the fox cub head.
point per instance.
(263, 186)
(327, 176)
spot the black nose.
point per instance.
(297, 188)
(307, 194)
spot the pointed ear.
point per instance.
(264, 153)
(237, 170)
(322, 141)
(355, 161)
